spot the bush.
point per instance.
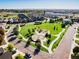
(76, 50)
(37, 23)
(51, 21)
(78, 28)
(77, 35)
(19, 56)
(77, 41)
(74, 57)
(63, 25)
(10, 47)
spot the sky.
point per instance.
(39, 4)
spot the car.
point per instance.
(27, 56)
(12, 38)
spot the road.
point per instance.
(64, 48)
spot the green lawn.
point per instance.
(47, 26)
(50, 27)
(24, 29)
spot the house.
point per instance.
(5, 55)
(67, 21)
(22, 18)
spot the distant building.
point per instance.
(67, 21)
(22, 17)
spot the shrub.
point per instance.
(78, 28)
(76, 50)
(77, 35)
(37, 23)
(77, 41)
(10, 47)
(63, 25)
(19, 56)
(51, 21)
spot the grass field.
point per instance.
(47, 26)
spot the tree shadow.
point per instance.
(27, 44)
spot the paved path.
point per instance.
(64, 48)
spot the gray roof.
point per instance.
(5, 55)
(1, 50)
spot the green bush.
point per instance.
(51, 21)
(77, 41)
(37, 23)
(76, 50)
(19, 56)
(78, 28)
(77, 35)
(10, 47)
(63, 25)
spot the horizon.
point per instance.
(39, 4)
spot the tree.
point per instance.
(38, 44)
(38, 47)
(51, 21)
(28, 42)
(16, 33)
(49, 35)
(19, 56)
(33, 30)
(29, 31)
(10, 47)
(46, 35)
(76, 50)
(63, 25)
(1, 39)
(54, 27)
(48, 41)
(15, 30)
